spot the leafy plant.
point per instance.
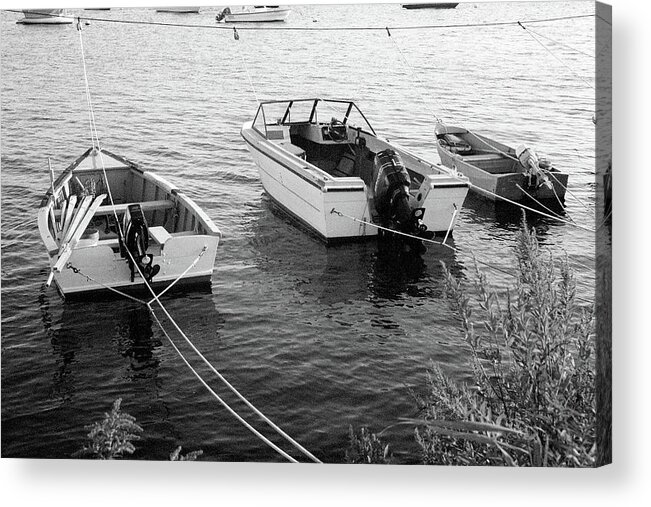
(532, 350)
(366, 448)
(191, 456)
(113, 436)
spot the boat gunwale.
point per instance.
(323, 175)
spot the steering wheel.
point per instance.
(337, 130)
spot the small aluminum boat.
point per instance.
(497, 170)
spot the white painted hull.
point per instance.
(181, 236)
(44, 17)
(310, 194)
(257, 16)
(311, 203)
(105, 268)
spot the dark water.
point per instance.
(317, 338)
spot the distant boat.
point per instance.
(45, 17)
(179, 10)
(167, 237)
(439, 5)
(255, 14)
(497, 170)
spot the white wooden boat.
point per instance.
(497, 170)
(45, 17)
(164, 231)
(253, 14)
(179, 10)
(337, 177)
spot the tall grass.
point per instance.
(532, 399)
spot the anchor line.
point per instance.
(520, 205)
(162, 307)
(236, 36)
(316, 28)
(78, 271)
(413, 74)
(504, 271)
(217, 397)
(541, 204)
(185, 272)
(557, 58)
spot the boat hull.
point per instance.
(341, 208)
(309, 200)
(98, 269)
(512, 186)
(494, 169)
(44, 17)
(440, 5)
(257, 17)
(181, 239)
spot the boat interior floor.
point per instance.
(345, 160)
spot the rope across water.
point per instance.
(155, 298)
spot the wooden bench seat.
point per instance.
(121, 208)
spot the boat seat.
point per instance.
(481, 157)
(293, 149)
(145, 205)
(159, 234)
(346, 166)
(121, 208)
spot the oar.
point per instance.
(67, 247)
(79, 215)
(64, 207)
(68, 217)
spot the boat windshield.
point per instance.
(294, 112)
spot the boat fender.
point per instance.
(136, 234)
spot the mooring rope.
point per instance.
(520, 205)
(171, 319)
(236, 36)
(561, 43)
(217, 397)
(504, 271)
(185, 272)
(413, 75)
(557, 58)
(234, 390)
(557, 215)
(218, 26)
(90, 278)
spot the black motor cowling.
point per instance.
(136, 241)
(391, 190)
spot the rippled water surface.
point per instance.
(318, 338)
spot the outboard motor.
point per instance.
(136, 241)
(222, 14)
(535, 168)
(391, 189)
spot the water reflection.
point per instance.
(366, 270)
(508, 216)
